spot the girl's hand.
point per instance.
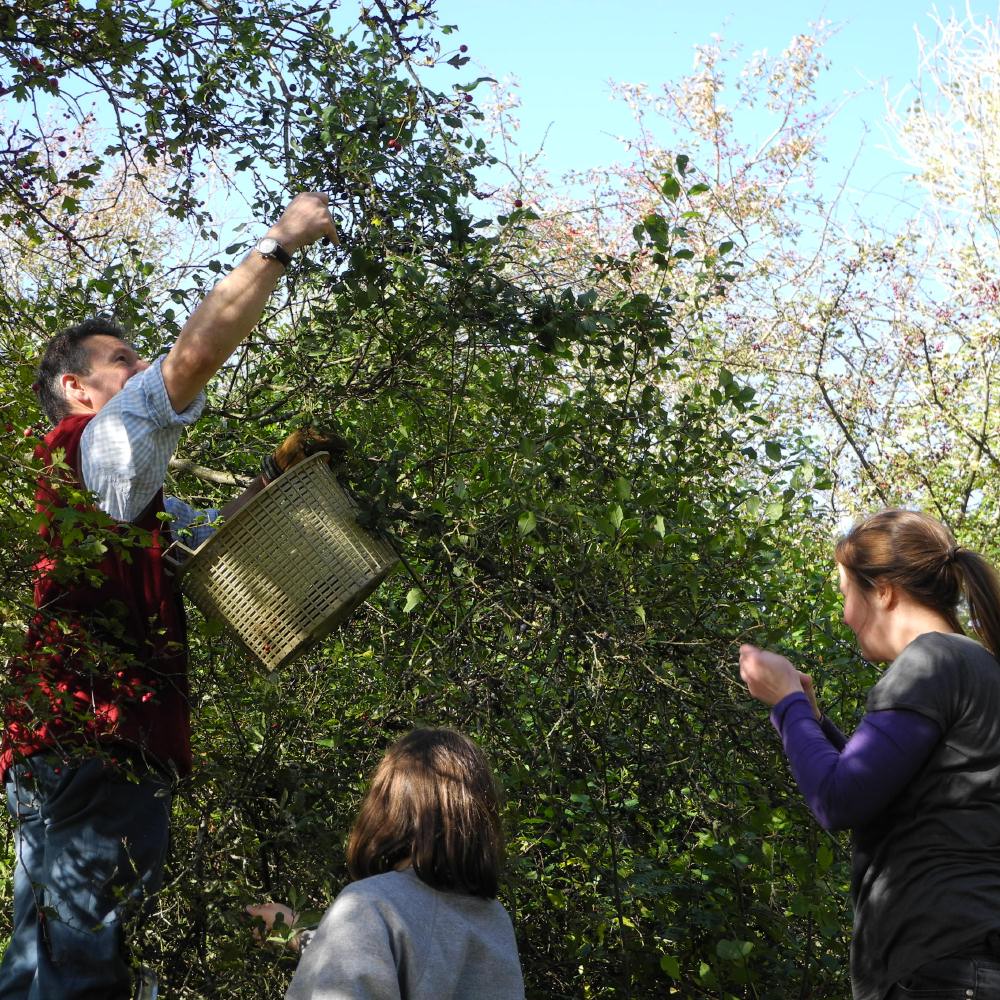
(768, 676)
(271, 914)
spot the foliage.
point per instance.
(880, 342)
(593, 517)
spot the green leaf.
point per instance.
(526, 523)
(773, 451)
(824, 857)
(697, 189)
(732, 950)
(213, 627)
(623, 488)
(657, 228)
(616, 516)
(414, 598)
(774, 510)
(659, 525)
(670, 965)
(671, 187)
(803, 475)
(469, 87)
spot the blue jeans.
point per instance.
(972, 977)
(91, 840)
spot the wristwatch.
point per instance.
(269, 247)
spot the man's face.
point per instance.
(112, 364)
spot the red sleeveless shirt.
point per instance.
(105, 657)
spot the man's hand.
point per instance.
(306, 220)
(301, 444)
(768, 676)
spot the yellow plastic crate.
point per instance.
(289, 566)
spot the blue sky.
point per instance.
(564, 52)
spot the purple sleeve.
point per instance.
(833, 734)
(848, 787)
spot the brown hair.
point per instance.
(69, 352)
(432, 799)
(919, 555)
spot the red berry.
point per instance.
(463, 48)
(518, 203)
(468, 98)
(9, 428)
(53, 82)
(28, 431)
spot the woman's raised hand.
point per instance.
(769, 677)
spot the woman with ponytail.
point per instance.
(918, 782)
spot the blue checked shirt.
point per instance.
(126, 449)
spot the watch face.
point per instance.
(267, 245)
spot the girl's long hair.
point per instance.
(433, 800)
(919, 555)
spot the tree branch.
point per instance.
(208, 475)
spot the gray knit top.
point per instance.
(392, 937)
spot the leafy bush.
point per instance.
(591, 523)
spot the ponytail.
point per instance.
(982, 594)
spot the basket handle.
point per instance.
(174, 561)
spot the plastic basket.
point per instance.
(289, 566)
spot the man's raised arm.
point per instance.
(231, 310)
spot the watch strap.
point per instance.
(274, 251)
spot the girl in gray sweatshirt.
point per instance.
(421, 920)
